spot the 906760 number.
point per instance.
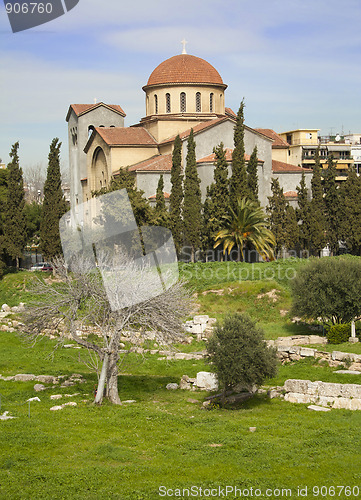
(29, 8)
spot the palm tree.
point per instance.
(246, 225)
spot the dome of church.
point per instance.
(185, 68)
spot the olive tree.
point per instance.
(328, 289)
(239, 354)
(78, 301)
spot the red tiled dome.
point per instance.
(185, 68)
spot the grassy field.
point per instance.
(163, 439)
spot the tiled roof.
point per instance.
(159, 163)
(230, 112)
(212, 157)
(153, 197)
(280, 166)
(291, 194)
(279, 143)
(126, 136)
(80, 109)
(185, 68)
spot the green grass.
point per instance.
(128, 452)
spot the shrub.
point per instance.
(337, 334)
(328, 288)
(239, 353)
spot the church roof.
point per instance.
(185, 68)
(290, 194)
(158, 163)
(81, 109)
(212, 157)
(230, 112)
(153, 197)
(279, 143)
(126, 136)
(282, 167)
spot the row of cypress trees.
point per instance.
(14, 227)
(329, 214)
(194, 224)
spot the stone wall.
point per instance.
(327, 394)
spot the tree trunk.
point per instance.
(112, 379)
(102, 379)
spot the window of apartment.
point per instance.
(156, 104)
(289, 138)
(167, 102)
(183, 102)
(198, 102)
(211, 102)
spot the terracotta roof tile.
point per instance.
(230, 112)
(291, 194)
(126, 136)
(159, 163)
(185, 68)
(153, 197)
(80, 109)
(212, 157)
(280, 166)
(279, 143)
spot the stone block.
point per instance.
(296, 385)
(172, 387)
(342, 403)
(342, 356)
(312, 388)
(355, 404)
(329, 389)
(207, 381)
(318, 408)
(24, 377)
(46, 379)
(307, 352)
(317, 339)
(325, 401)
(39, 387)
(201, 319)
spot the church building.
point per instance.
(182, 93)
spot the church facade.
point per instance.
(182, 93)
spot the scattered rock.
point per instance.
(272, 294)
(6, 416)
(39, 387)
(46, 379)
(252, 429)
(56, 408)
(33, 399)
(24, 377)
(172, 387)
(215, 445)
(56, 396)
(193, 401)
(5, 308)
(207, 381)
(318, 408)
(349, 372)
(128, 401)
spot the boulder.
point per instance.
(5, 308)
(172, 387)
(207, 381)
(39, 387)
(46, 379)
(201, 319)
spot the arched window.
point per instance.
(183, 102)
(167, 102)
(198, 102)
(211, 102)
(156, 104)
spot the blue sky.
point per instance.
(296, 63)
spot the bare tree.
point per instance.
(34, 177)
(78, 300)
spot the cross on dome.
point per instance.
(184, 42)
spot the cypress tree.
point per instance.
(192, 218)
(216, 203)
(238, 187)
(303, 213)
(252, 176)
(292, 232)
(54, 205)
(161, 212)
(332, 200)
(176, 195)
(351, 216)
(318, 224)
(14, 217)
(277, 206)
